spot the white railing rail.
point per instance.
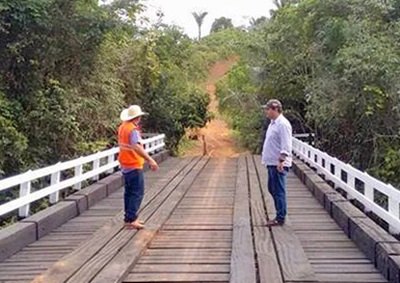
(306, 137)
(357, 184)
(100, 162)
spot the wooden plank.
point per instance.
(187, 252)
(268, 266)
(262, 174)
(340, 261)
(196, 233)
(7, 273)
(227, 227)
(71, 263)
(203, 221)
(201, 237)
(26, 265)
(328, 244)
(163, 239)
(177, 277)
(194, 238)
(186, 260)
(192, 244)
(18, 278)
(205, 205)
(215, 206)
(210, 215)
(181, 268)
(352, 277)
(211, 193)
(242, 260)
(348, 268)
(315, 227)
(293, 260)
(258, 213)
(215, 186)
(120, 265)
(335, 255)
(322, 237)
(33, 258)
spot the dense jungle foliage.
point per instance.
(67, 69)
(335, 65)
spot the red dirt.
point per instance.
(217, 135)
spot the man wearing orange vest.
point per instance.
(131, 158)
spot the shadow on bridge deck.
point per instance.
(205, 222)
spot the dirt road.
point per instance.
(217, 135)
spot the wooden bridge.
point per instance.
(205, 222)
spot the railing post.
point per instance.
(55, 179)
(369, 194)
(351, 182)
(393, 207)
(338, 172)
(110, 159)
(160, 142)
(78, 172)
(96, 165)
(24, 190)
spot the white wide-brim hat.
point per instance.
(131, 113)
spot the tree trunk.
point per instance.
(199, 32)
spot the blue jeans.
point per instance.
(134, 192)
(277, 188)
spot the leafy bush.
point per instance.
(335, 66)
(67, 69)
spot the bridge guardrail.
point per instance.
(100, 162)
(357, 184)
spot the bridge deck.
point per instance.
(205, 223)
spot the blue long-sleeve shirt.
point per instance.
(278, 141)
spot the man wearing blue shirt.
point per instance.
(277, 157)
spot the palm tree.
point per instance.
(282, 3)
(199, 17)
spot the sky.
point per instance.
(179, 12)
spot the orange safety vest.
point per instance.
(128, 158)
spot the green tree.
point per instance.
(221, 24)
(67, 69)
(199, 18)
(334, 64)
(257, 22)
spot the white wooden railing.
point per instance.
(357, 184)
(98, 163)
(307, 137)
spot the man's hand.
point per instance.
(140, 150)
(153, 164)
(281, 167)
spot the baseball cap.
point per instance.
(273, 103)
